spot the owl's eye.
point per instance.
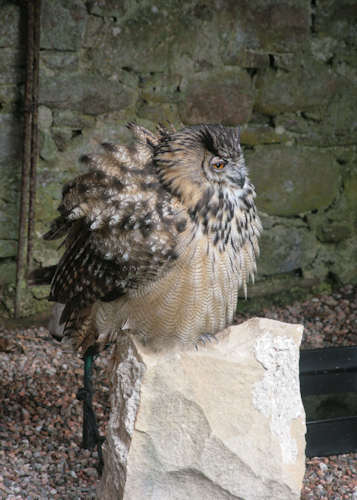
(218, 164)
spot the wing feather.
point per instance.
(120, 232)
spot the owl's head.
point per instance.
(200, 158)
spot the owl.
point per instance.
(158, 236)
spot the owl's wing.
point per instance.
(120, 229)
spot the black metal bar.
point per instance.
(26, 165)
(327, 383)
(328, 359)
(324, 371)
(34, 125)
(327, 371)
(331, 436)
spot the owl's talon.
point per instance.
(205, 338)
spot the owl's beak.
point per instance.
(241, 181)
(237, 173)
(240, 178)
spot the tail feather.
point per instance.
(42, 275)
(59, 228)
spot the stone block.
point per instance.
(161, 88)
(350, 184)
(7, 271)
(286, 247)
(62, 24)
(344, 257)
(340, 120)
(222, 422)
(59, 61)
(106, 8)
(74, 119)
(45, 118)
(183, 35)
(87, 93)
(11, 66)
(337, 18)
(224, 96)
(95, 32)
(10, 137)
(47, 146)
(301, 89)
(7, 248)
(331, 124)
(253, 135)
(139, 41)
(286, 287)
(10, 32)
(291, 180)
(247, 58)
(9, 98)
(160, 113)
(270, 25)
(334, 225)
(9, 185)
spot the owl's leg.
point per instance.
(90, 433)
(205, 338)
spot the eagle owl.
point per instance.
(159, 237)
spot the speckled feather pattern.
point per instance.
(157, 239)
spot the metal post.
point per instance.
(30, 151)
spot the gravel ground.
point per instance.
(40, 417)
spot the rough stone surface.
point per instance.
(338, 19)
(10, 26)
(297, 249)
(53, 61)
(62, 24)
(224, 97)
(266, 25)
(7, 271)
(297, 90)
(89, 94)
(222, 422)
(10, 137)
(294, 180)
(11, 66)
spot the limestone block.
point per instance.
(225, 421)
(293, 180)
(225, 97)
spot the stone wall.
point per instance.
(285, 70)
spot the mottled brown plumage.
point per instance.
(158, 238)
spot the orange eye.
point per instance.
(219, 165)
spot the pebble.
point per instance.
(41, 420)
